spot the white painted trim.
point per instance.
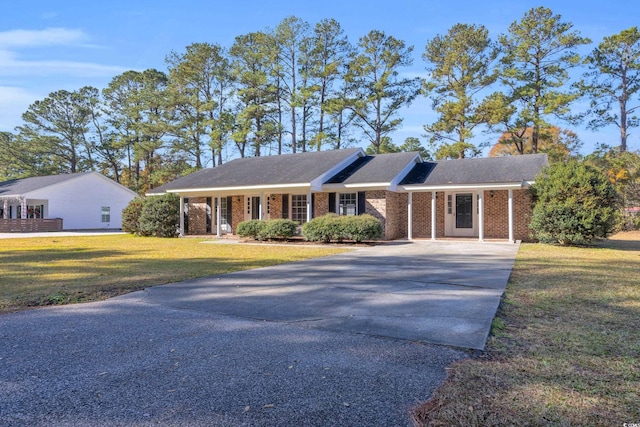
(480, 197)
(393, 185)
(181, 216)
(218, 217)
(316, 184)
(433, 215)
(452, 187)
(410, 216)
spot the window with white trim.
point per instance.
(106, 214)
(348, 204)
(299, 208)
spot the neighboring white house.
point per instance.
(87, 200)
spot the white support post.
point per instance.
(261, 207)
(23, 208)
(309, 207)
(433, 215)
(5, 209)
(511, 239)
(410, 217)
(181, 216)
(218, 218)
(481, 215)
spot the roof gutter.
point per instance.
(480, 186)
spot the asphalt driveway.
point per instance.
(342, 340)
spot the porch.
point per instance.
(30, 225)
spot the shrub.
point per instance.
(362, 227)
(574, 203)
(277, 229)
(322, 229)
(160, 216)
(251, 228)
(131, 216)
(333, 227)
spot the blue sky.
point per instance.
(53, 45)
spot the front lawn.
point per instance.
(61, 270)
(565, 346)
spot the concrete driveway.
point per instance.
(298, 344)
(438, 292)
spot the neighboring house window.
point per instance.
(299, 208)
(347, 204)
(106, 214)
(35, 211)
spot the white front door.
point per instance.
(461, 214)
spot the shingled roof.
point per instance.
(283, 170)
(382, 168)
(492, 170)
(18, 187)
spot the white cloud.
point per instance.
(47, 37)
(11, 65)
(13, 42)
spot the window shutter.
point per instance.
(332, 202)
(208, 229)
(285, 206)
(229, 214)
(313, 203)
(362, 200)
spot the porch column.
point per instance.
(511, 216)
(181, 216)
(410, 217)
(433, 215)
(218, 218)
(5, 209)
(23, 208)
(309, 207)
(481, 215)
(261, 207)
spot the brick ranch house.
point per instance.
(478, 197)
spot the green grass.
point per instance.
(565, 347)
(62, 270)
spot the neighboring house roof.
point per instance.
(22, 186)
(18, 187)
(380, 169)
(283, 170)
(491, 170)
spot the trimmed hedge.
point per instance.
(266, 230)
(278, 229)
(332, 227)
(250, 228)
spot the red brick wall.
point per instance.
(197, 215)
(421, 214)
(237, 211)
(320, 204)
(376, 205)
(496, 214)
(275, 206)
(396, 215)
